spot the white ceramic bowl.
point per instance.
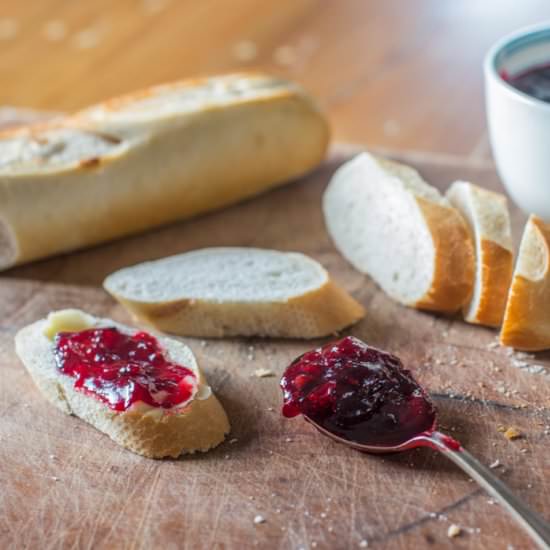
(519, 124)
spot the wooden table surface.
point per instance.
(64, 485)
(399, 74)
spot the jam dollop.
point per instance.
(121, 369)
(357, 393)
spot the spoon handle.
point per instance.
(538, 529)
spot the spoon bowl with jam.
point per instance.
(363, 397)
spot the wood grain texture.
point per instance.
(396, 73)
(65, 485)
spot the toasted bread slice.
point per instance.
(526, 323)
(197, 424)
(389, 223)
(217, 292)
(486, 213)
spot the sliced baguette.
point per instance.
(389, 223)
(197, 425)
(217, 292)
(526, 323)
(487, 216)
(154, 156)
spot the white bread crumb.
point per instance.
(453, 531)
(259, 519)
(263, 373)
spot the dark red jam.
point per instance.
(121, 369)
(357, 393)
(534, 82)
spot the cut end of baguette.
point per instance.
(486, 213)
(389, 223)
(526, 324)
(197, 425)
(216, 292)
(55, 147)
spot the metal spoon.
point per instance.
(538, 529)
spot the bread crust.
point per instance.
(148, 431)
(526, 324)
(454, 258)
(486, 215)
(496, 273)
(318, 313)
(160, 167)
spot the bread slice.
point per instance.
(158, 155)
(486, 213)
(196, 425)
(216, 292)
(526, 323)
(389, 223)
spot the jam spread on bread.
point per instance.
(357, 393)
(121, 369)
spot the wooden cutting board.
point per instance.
(65, 485)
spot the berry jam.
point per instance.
(357, 393)
(534, 82)
(121, 369)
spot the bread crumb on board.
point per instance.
(259, 519)
(454, 531)
(512, 433)
(263, 373)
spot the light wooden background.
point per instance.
(401, 74)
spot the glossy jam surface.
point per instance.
(534, 82)
(121, 369)
(358, 393)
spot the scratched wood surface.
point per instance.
(65, 485)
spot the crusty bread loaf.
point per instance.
(526, 323)
(486, 213)
(196, 425)
(149, 158)
(216, 292)
(389, 223)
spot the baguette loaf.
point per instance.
(194, 425)
(149, 158)
(526, 323)
(217, 292)
(389, 223)
(487, 216)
